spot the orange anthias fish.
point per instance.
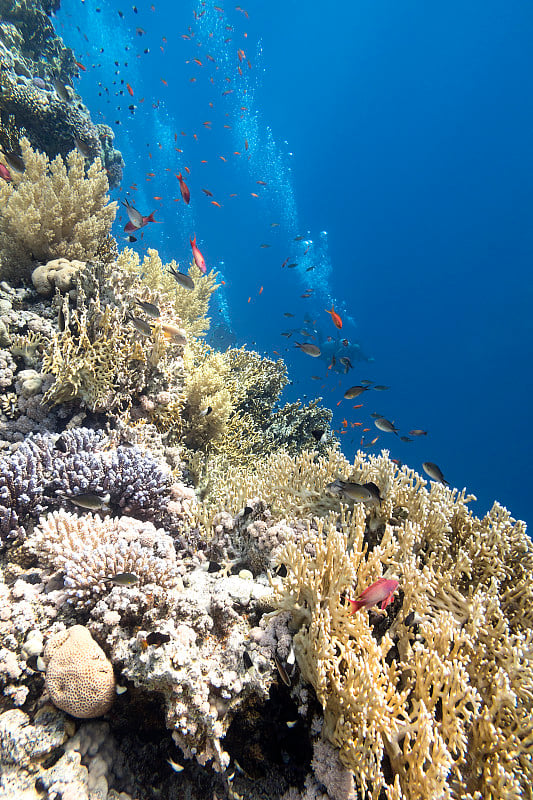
(380, 592)
(199, 260)
(130, 90)
(337, 321)
(184, 189)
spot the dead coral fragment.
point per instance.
(54, 210)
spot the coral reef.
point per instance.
(58, 273)
(420, 696)
(33, 58)
(46, 470)
(52, 210)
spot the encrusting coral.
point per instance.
(52, 210)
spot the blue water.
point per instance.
(396, 139)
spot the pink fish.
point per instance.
(199, 260)
(380, 592)
(4, 173)
(184, 189)
(145, 220)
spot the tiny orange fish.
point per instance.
(254, 194)
(261, 290)
(337, 321)
(214, 203)
(164, 81)
(156, 197)
(130, 90)
(80, 65)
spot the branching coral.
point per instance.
(447, 703)
(89, 549)
(52, 210)
(188, 306)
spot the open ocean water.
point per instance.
(382, 148)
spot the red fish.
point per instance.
(130, 90)
(199, 260)
(5, 174)
(337, 321)
(380, 592)
(184, 189)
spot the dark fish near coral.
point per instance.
(374, 490)
(434, 472)
(82, 147)
(140, 325)
(184, 280)
(214, 566)
(129, 238)
(282, 671)
(354, 391)
(319, 435)
(205, 412)
(90, 502)
(175, 334)
(61, 90)
(156, 638)
(248, 663)
(14, 160)
(385, 425)
(122, 579)
(148, 308)
(353, 491)
(308, 349)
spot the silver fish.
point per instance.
(135, 217)
(148, 308)
(434, 472)
(381, 387)
(385, 425)
(309, 349)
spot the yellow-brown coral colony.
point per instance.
(430, 698)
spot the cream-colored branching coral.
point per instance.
(88, 550)
(433, 700)
(188, 306)
(79, 676)
(54, 209)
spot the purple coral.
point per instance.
(44, 468)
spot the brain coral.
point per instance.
(79, 677)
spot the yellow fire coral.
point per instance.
(433, 700)
(52, 210)
(189, 306)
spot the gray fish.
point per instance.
(354, 391)
(288, 314)
(148, 308)
(184, 280)
(90, 502)
(309, 349)
(310, 269)
(299, 238)
(418, 432)
(14, 160)
(345, 361)
(385, 425)
(351, 490)
(366, 383)
(381, 388)
(82, 147)
(140, 325)
(405, 439)
(122, 579)
(288, 334)
(291, 266)
(376, 415)
(434, 472)
(265, 245)
(61, 90)
(374, 490)
(134, 216)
